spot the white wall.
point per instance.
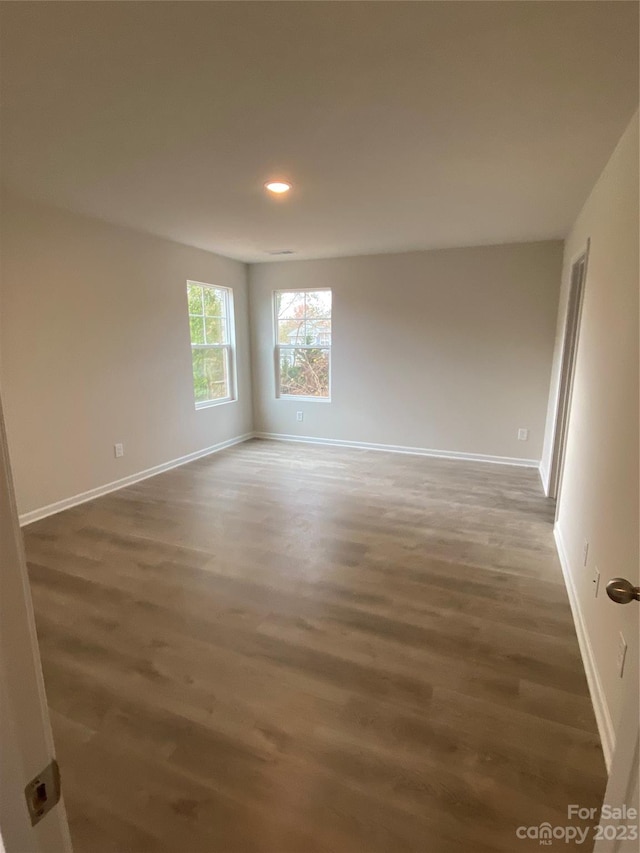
(599, 492)
(95, 350)
(447, 350)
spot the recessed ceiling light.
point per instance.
(278, 187)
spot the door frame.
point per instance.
(26, 739)
(571, 337)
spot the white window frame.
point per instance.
(278, 346)
(230, 347)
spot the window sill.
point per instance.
(211, 403)
(304, 399)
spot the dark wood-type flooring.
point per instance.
(285, 648)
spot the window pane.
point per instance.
(214, 302)
(197, 330)
(318, 303)
(304, 372)
(216, 330)
(291, 332)
(318, 331)
(290, 305)
(210, 374)
(194, 294)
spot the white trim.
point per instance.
(397, 448)
(83, 497)
(304, 399)
(300, 289)
(207, 404)
(554, 477)
(544, 477)
(603, 717)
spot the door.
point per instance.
(26, 742)
(619, 825)
(569, 351)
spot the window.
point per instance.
(303, 343)
(210, 321)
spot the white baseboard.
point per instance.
(44, 511)
(83, 497)
(396, 448)
(603, 717)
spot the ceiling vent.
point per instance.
(283, 252)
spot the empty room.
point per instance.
(319, 429)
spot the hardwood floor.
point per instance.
(285, 648)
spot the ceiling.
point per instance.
(401, 125)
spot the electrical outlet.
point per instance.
(523, 435)
(299, 416)
(118, 450)
(622, 654)
(585, 553)
(596, 581)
